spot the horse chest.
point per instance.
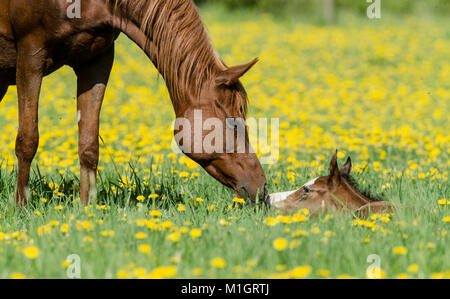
(79, 48)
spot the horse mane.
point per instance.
(184, 54)
(364, 192)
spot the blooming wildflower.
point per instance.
(17, 276)
(218, 262)
(300, 272)
(444, 201)
(64, 228)
(414, 268)
(280, 244)
(31, 252)
(195, 233)
(399, 250)
(155, 213)
(144, 248)
(323, 272)
(239, 200)
(174, 237)
(376, 273)
(141, 235)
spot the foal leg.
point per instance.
(92, 80)
(29, 79)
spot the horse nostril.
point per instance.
(264, 194)
(243, 192)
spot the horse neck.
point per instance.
(175, 39)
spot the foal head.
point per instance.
(218, 138)
(332, 193)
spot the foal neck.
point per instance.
(354, 195)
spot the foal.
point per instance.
(332, 193)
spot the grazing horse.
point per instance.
(336, 192)
(38, 37)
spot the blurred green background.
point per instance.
(318, 8)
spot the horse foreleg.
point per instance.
(92, 81)
(29, 79)
(374, 207)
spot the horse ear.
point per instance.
(232, 74)
(335, 176)
(347, 167)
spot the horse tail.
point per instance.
(3, 90)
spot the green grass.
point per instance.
(238, 234)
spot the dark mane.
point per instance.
(183, 53)
(364, 192)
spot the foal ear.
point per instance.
(232, 74)
(347, 167)
(335, 176)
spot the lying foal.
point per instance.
(332, 193)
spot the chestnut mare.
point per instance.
(38, 37)
(329, 194)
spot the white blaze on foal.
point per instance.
(277, 197)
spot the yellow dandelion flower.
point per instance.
(184, 174)
(155, 213)
(144, 248)
(64, 228)
(376, 273)
(239, 200)
(195, 233)
(218, 262)
(141, 236)
(174, 237)
(323, 272)
(17, 276)
(31, 252)
(414, 268)
(444, 201)
(300, 272)
(400, 250)
(280, 244)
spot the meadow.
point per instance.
(377, 90)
